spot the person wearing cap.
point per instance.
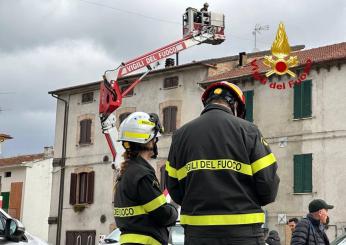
(221, 171)
(310, 230)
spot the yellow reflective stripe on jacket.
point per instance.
(138, 238)
(263, 163)
(139, 210)
(154, 204)
(136, 135)
(172, 172)
(225, 219)
(217, 164)
(129, 211)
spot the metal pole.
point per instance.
(62, 172)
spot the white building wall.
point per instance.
(37, 198)
(323, 135)
(18, 174)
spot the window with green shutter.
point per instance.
(302, 173)
(5, 200)
(302, 100)
(249, 105)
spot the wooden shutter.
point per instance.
(173, 118)
(307, 173)
(88, 131)
(298, 173)
(306, 98)
(82, 137)
(15, 203)
(297, 100)
(73, 188)
(85, 131)
(249, 105)
(170, 119)
(166, 119)
(91, 187)
(303, 173)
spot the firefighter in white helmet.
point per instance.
(141, 211)
(221, 171)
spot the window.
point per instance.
(124, 87)
(249, 105)
(88, 97)
(82, 188)
(302, 173)
(85, 131)
(170, 119)
(123, 116)
(302, 100)
(8, 174)
(81, 237)
(170, 82)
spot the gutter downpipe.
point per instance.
(62, 172)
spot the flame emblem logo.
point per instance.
(279, 61)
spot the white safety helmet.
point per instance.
(140, 127)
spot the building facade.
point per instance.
(26, 188)
(304, 125)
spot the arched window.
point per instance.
(170, 119)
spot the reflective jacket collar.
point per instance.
(140, 160)
(217, 107)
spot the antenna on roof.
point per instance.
(258, 28)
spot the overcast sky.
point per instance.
(51, 44)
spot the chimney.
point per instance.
(242, 59)
(48, 152)
(169, 62)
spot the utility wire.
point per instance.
(154, 18)
(131, 12)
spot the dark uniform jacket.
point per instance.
(221, 171)
(309, 231)
(141, 211)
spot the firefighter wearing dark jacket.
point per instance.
(221, 171)
(141, 211)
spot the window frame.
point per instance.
(124, 86)
(85, 99)
(170, 82)
(79, 180)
